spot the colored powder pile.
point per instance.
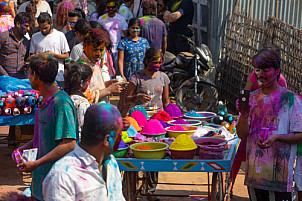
(122, 145)
(162, 115)
(176, 128)
(125, 137)
(139, 117)
(180, 121)
(163, 123)
(133, 123)
(143, 147)
(153, 126)
(139, 108)
(183, 142)
(193, 113)
(173, 110)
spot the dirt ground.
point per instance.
(11, 180)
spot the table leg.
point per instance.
(213, 189)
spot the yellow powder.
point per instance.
(183, 142)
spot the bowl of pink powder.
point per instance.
(184, 122)
(153, 128)
(173, 110)
(177, 130)
(139, 117)
(162, 115)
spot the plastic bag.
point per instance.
(11, 84)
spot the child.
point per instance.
(77, 79)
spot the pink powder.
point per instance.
(139, 117)
(176, 128)
(180, 121)
(173, 110)
(153, 126)
(162, 115)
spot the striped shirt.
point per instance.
(12, 54)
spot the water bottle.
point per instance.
(20, 101)
(30, 101)
(222, 108)
(229, 118)
(10, 102)
(218, 119)
(6, 111)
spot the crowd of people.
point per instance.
(74, 63)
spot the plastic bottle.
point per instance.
(30, 101)
(226, 124)
(229, 118)
(232, 128)
(2, 101)
(6, 111)
(221, 113)
(20, 101)
(218, 119)
(26, 110)
(222, 108)
(10, 102)
(15, 111)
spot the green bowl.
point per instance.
(158, 152)
(121, 153)
(156, 136)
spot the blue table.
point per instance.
(197, 165)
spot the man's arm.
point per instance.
(67, 145)
(243, 127)
(164, 45)
(59, 56)
(172, 17)
(291, 138)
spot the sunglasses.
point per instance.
(111, 7)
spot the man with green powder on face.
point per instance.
(90, 172)
(272, 125)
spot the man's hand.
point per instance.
(28, 166)
(143, 97)
(110, 82)
(268, 142)
(244, 113)
(50, 52)
(117, 88)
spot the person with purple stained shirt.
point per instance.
(90, 172)
(153, 29)
(270, 161)
(56, 128)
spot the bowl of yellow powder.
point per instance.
(149, 150)
(183, 147)
(176, 130)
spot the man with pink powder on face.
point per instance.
(90, 172)
(277, 112)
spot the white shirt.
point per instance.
(137, 9)
(115, 26)
(125, 12)
(44, 7)
(55, 42)
(76, 176)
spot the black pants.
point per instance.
(177, 44)
(263, 195)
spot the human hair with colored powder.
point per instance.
(62, 13)
(82, 27)
(4, 8)
(45, 66)
(97, 37)
(266, 58)
(152, 54)
(149, 7)
(101, 119)
(23, 18)
(76, 76)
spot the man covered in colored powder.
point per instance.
(276, 112)
(56, 129)
(90, 172)
(153, 29)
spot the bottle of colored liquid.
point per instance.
(2, 101)
(6, 111)
(15, 111)
(221, 113)
(30, 101)
(222, 108)
(10, 102)
(232, 129)
(20, 101)
(26, 110)
(226, 124)
(229, 118)
(218, 119)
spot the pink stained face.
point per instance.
(155, 65)
(267, 76)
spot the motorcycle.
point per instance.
(194, 88)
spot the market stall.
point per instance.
(206, 157)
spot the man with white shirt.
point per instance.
(116, 26)
(42, 6)
(51, 41)
(125, 10)
(90, 172)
